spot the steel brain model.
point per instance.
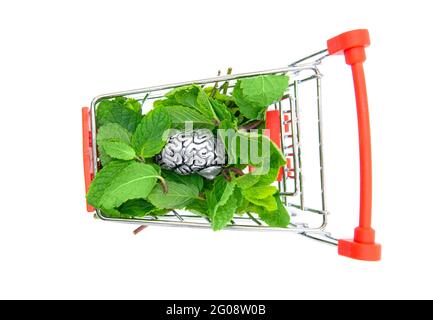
(196, 151)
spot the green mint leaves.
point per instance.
(179, 115)
(253, 95)
(194, 97)
(117, 111)
(182, 190)
(150, 136)
(102, 181)
(222, 201)
(119, 182)
(118, 149)
(131, 185)
(274, 218)
(114, 142)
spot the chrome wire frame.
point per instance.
(301, 71)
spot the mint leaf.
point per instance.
(148, 139)
(245, 206)
(247, 180)
(191, 180)
(182, 190)
(133, 105)
(115, 133)
(118, 149)
(139, 208)
(102, 181)
(180, 114)
(178, 196)
(136, 208)
(194, 97)
(264, 90)
(217, 95)
(223, 114)
(222, 202)
(165, 102)
(185, 95)
(222, 189)
(269, 177)
(133, 209)
(260, 192)
(226, 212)
(221, 213)
(253, 95)
(129, 103)
(198, 207)
(277, 218)
(156, 167)
(268, 203)
(111, 111)
(112, 213)
(204, 104)
(133, 181)
(246, 108)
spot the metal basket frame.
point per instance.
(301, 71)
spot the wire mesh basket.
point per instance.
(299, 135)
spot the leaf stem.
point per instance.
(238, 171)
(226, 175)
(214, 89)
(163, 184)
(251, 125)
(225, 86)
(139, 229)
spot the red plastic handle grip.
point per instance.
(352, 44)
(87, 152)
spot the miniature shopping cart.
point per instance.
(283, 119)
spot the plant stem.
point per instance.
(225, 86)
(214, 89)
(163, 184)
(251, 125)
(139, 229)
(226, 175)
(238, 171)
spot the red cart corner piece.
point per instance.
(352, 44)
(87, 152)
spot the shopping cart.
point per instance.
(283, 119)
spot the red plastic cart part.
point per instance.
(273, 124)
(87, 152)
(352, 44)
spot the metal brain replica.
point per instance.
(196, 151)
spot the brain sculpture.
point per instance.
(196, 151)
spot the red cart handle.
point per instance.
(87, 151)
(352, 44)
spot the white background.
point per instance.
(55, 56)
